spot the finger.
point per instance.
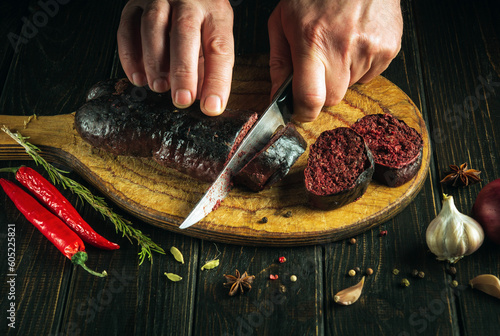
(379, 65)
(155, 51)
(218, 52)
(185, 40)
(309, 89)
(280, 59)
(129, 43)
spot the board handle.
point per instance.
(51, 134)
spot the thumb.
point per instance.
(280, 59)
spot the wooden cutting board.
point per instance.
(163, 197)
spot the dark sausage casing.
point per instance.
(127, 120)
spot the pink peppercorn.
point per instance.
(281, 260)
(273, 276)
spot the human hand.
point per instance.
(331, 45)
(183, 45)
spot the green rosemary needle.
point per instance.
(122, 225)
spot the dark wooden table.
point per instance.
(449, 65)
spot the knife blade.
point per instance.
(278, 113)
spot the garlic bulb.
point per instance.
(453, 235)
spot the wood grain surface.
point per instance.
(164, 197)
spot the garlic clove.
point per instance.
(453, 235)
(349, 295)
(487, 283)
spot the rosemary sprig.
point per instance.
(57, 176)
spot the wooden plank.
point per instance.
(272, 306)
(10, 27)
(462, 82)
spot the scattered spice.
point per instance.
(31, 117)
(263, 220)
(487, 283)
(273, 276)
(210, 264)
(395, 271)
(293, 278)
(352, 241)
(461, 174)
(352, 273)
(173, 277)
(414, 273)
(452, 270)
(238, 282)
(421, 274)
(177, 254)
(369, 271)
(405, 282)
(349, 295)
(454, 283)
(281, 260)
(282, 288)
(383, 233)
(288, 214)
(357, 269)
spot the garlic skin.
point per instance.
(453, 235)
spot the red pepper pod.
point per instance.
(49, 195)
(55, 230)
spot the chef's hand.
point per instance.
(330, 45)
(183, 45)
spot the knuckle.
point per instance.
(183, 71)
(219, 46)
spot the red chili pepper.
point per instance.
(48, 195)
(49, 225)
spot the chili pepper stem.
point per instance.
(80, 257)
(9, 170)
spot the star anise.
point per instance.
(462, 174)
(238, 282)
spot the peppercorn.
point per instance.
(421, 274)
(452, 270)
(352, 273)
(352, 241)
(454, 283)
(405, 282)
(414, 273)
(287, 214)
(369, 271)
(357, 269)
(281, 260)
(263, 220)
(383, 233)
(395, 271)
(293, 278)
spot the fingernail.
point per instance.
(182, 98)
(160, 85)
(213, 104)
(138, 79)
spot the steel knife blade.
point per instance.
(278, 113)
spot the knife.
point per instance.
(277, 114)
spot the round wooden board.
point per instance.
(163, 197)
